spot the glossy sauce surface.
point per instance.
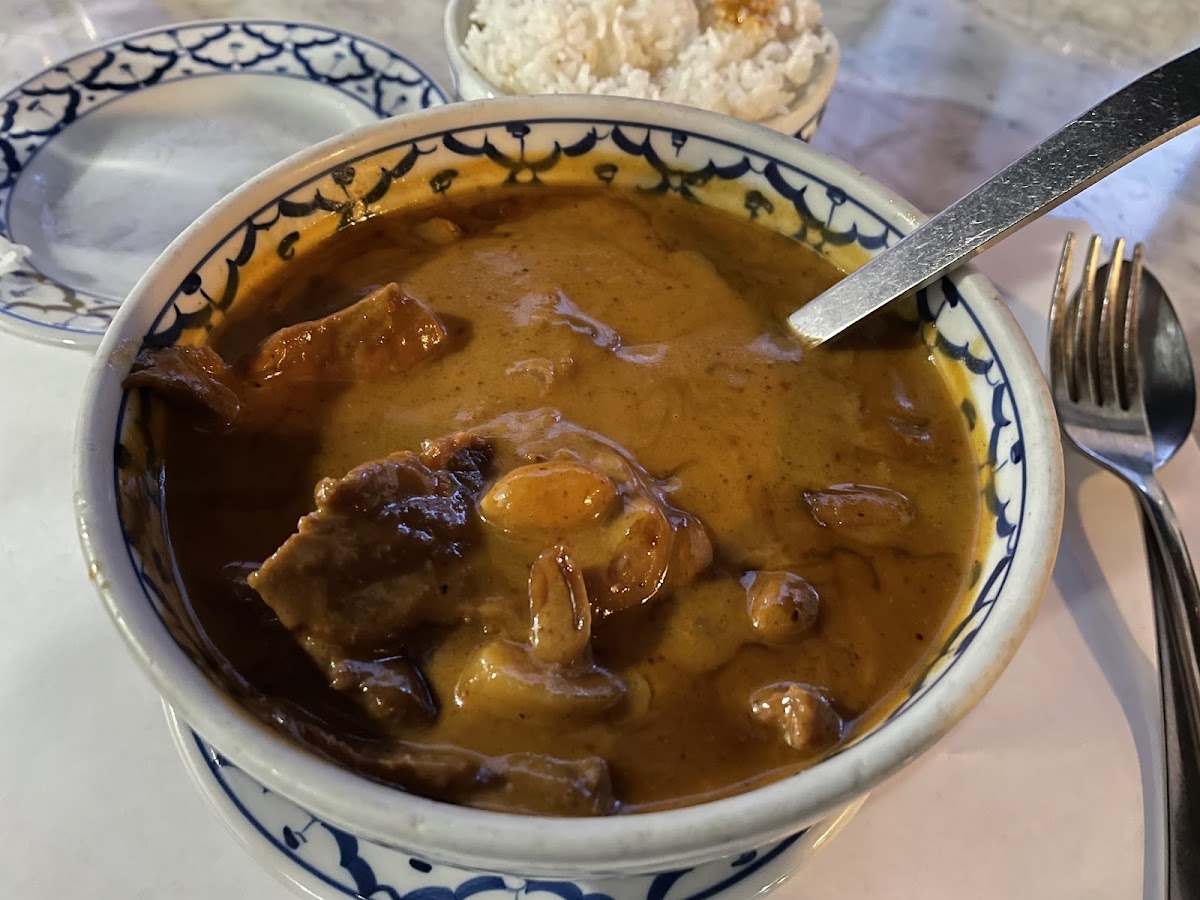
(837, 489)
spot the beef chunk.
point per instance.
(534, 782)
(441, 772)
(550, 786)
(357, 570)
(386, 332)
(466, 456)
(189, 375)
(391, 688)
(367, 565)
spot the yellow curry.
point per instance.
(530, 502)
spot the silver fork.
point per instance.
(1098, 381)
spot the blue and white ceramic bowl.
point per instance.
(769, 178)
(331, 863)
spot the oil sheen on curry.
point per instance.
(529, 502)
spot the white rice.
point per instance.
(749, 59)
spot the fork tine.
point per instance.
(1061, 373)
(1083, 337)
(1132, 367)
(1110, 332)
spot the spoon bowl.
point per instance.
(1170, 379)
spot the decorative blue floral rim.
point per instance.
(31, 115)
(645, 157)
(354, 867)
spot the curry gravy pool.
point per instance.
(591, 532)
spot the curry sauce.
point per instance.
(591, 532)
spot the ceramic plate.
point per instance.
(107, 156)
(328, 863)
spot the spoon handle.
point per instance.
(1177, 621)
(1137, 118)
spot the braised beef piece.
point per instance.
(189, 375)
(391, 688)
(468, 457)
(378, 554)
(356, 572)
(535, 782)
(386, 332)
(375, 560)
(437, 771)
(530, 782)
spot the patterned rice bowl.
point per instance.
(766, 177)
(801, 119)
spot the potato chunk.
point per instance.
(704, 625)
(392, 689)
(506, 679)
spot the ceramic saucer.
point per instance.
(324, 862)
(107, 156)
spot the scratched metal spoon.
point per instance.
(1137, 118)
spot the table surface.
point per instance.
(1042, 791)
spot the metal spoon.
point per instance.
(1170, 395)
(1138, 117)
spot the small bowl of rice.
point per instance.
(765, 61)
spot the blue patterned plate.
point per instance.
(325, 862)
(107, 156)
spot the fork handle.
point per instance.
(1177, 621)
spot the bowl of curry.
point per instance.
(459, 480)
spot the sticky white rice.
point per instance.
(748, 58)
